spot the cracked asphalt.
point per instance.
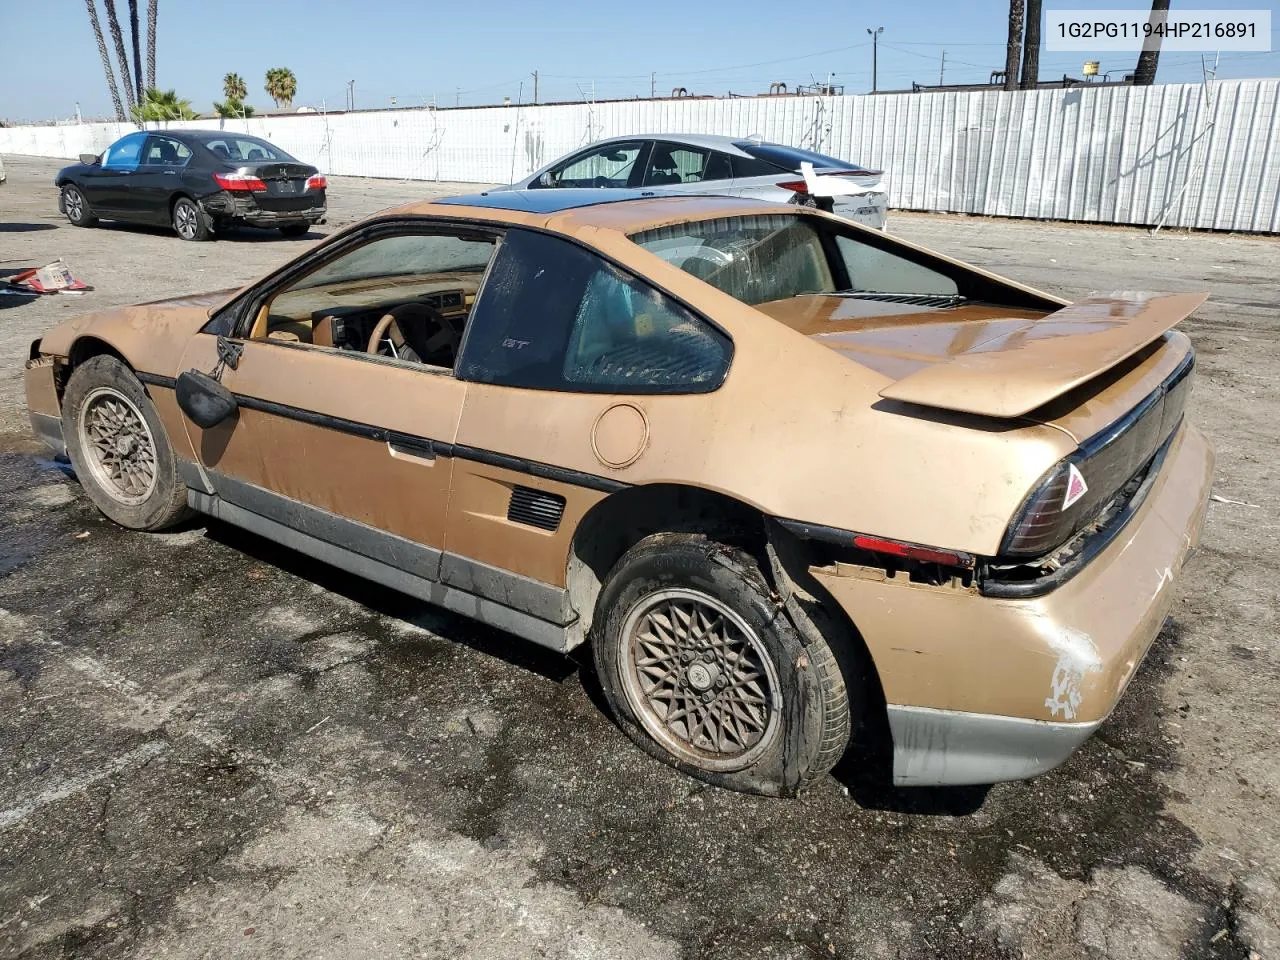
(213, 747)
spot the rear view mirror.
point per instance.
(204, 399)
(616, 157)
(89, 159)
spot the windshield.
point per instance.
(758, 259)
(244, 149)
(790, 158)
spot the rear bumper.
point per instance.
(867, 209)
(982, 689)
(231, 208)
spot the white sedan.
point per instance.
(721, 165)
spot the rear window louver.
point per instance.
(535, 508)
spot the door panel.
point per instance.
(348, 435)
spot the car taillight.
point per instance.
(799, 186)
(239, 182)
(1046, 519)
(317, 182)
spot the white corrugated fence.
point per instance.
(1189, 155)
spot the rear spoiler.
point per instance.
(1019, 372)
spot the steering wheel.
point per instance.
(418, 332)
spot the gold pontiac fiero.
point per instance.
(792, 478)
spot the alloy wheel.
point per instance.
(118, 446)
(184, 220)
(700, 680)
(74, 205)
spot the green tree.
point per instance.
(231, 107)
(281, 86)
(233, 87)
(163, 105)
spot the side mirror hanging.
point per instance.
(202, 398)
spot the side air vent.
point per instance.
(535, 508)
(941, 300)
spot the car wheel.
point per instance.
(703, 670)
(76, 207)
(118, 447)
(296, 229)
(190, 222)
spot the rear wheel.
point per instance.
(704, 671)
(76, 207)
(190, 222)
(118, 447)
(296, 229)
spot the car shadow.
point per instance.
(26, 227)
(230, 234)
(12, 296)
(391, 603)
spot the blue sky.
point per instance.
(479, 52)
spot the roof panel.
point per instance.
(551, 201)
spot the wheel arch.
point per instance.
(86, 347)
(620, 521)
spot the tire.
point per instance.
(118, 447)
(771, 713)
(296, 229)
(190, 222)
(76, 207)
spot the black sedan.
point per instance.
(196, 181)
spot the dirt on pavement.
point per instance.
(211, 746)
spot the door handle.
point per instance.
(170, 173)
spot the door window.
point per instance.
(165, 152)
(124, 153)
(672, 163)
(554, 316)
(426, 283)
(612, 165)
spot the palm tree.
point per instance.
(1145, 73)
(106, 59)
(1015, 45)
(137, 48)
(1031, 47)
(230, 108)
(113, 24)
(233, 87)
(163, 105)
(281, 86)
(151, 42)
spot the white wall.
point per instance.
(1201, 158)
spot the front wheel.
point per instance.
(703, 670)
(76, 207)
(190, 222)
(118, 447)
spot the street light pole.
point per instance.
(875, 36)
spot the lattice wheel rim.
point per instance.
(118, 446)
(700, 680)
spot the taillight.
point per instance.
(799, 186)
(317, 182)
(1046, 519)
(239, 182)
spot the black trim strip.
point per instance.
(422, 446)
(844, 538)
(1094, 543)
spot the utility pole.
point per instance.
(351, 95)
(653, 85)
(875, 37)
(942, 70)
(457, 96)
(535, 88)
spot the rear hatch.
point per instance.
(286, 184)
(1110, 372)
